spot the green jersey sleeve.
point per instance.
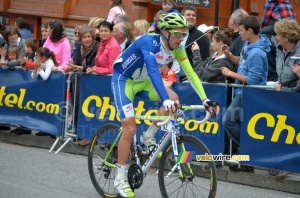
(181, 57)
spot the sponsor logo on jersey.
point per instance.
(128, 61)
(128, 110)
(159, 57)
(182, 59)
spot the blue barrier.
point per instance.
(270, 129)
(96, 107)
(35, 104)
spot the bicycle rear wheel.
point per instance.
(102, 173)
(200, 182)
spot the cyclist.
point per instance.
(136, 73)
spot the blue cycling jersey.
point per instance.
(143, 57)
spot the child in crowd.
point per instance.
(168, 6)
(168, 75)
(210, 70)
(44, 34)
(31, 45)
(75, 40)
(157, 16)
(115, 11)
(45, 60)
(13, 53)
(140, 27)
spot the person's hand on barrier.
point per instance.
(89, 70)
(278, 87)
(70, 68)
(212, 107)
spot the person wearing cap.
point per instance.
(207, 30)
(138, 67)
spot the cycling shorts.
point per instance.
(125, 90)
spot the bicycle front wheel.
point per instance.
(102, 157)
(198, 177)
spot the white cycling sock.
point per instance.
(150, 132)
(121, 175)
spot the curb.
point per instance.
(260, 178)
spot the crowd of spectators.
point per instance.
(216, 55)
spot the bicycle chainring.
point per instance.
(135, 176)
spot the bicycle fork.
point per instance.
(175, 152)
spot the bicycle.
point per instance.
(176, 178)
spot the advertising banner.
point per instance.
(31, 103)
(270, 132)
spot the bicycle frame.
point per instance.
(171, 124)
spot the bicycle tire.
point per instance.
(102, 175)
(193, 185)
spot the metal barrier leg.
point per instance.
(64, 144)
(54, 144)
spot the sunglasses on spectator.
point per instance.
(177, 33)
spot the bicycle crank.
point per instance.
(135, 176)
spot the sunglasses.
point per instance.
(178, 34)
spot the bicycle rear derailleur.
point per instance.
(135, 176)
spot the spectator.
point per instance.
(140, 27)
(58, 43)
(209, 70)
(190, 14)
(13, 53)
(168, 6)
(44, 33)
(108, 51)
(115, 11)
(252, 70)
(168, 75)
(12, 37)
(275, 10)
(157, 16)
(75, 41)
(288, 36)
(94, 23)
(122, 18)
(31, 45)
(207, 30)
(45, 60)
(84, 58)
(123, 33)
(21, 26)
(233, 23)
(296, 70)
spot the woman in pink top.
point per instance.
(58, 43)
(108, 50)
(115, 11)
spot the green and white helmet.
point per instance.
(171, 21)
